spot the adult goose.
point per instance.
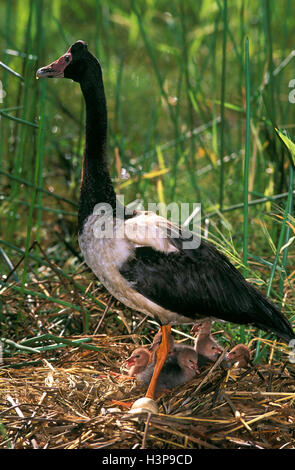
(144, 270)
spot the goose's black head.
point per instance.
(70, 65)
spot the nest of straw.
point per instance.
(82, 399)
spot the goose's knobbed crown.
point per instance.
(72, 64)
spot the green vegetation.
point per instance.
(195, 92)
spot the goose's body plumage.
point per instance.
(159, 278)
(108, 258)
(153, 274)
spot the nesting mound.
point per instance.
(63, 391)
(81, 400)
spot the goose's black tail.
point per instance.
(268, 317)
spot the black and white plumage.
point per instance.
(151, 274)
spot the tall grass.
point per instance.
(177, 80)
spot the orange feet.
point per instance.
(162, 354)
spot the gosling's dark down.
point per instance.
(180, 367)
(151, 274)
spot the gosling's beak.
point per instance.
(130, 362)
(195, 329)
(195, 368)
(55, 69)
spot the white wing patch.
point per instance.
(105, 255)
(150, 229)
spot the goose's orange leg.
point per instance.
(162, 354)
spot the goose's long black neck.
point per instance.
(96, 184)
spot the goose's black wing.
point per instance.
(201, 282)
